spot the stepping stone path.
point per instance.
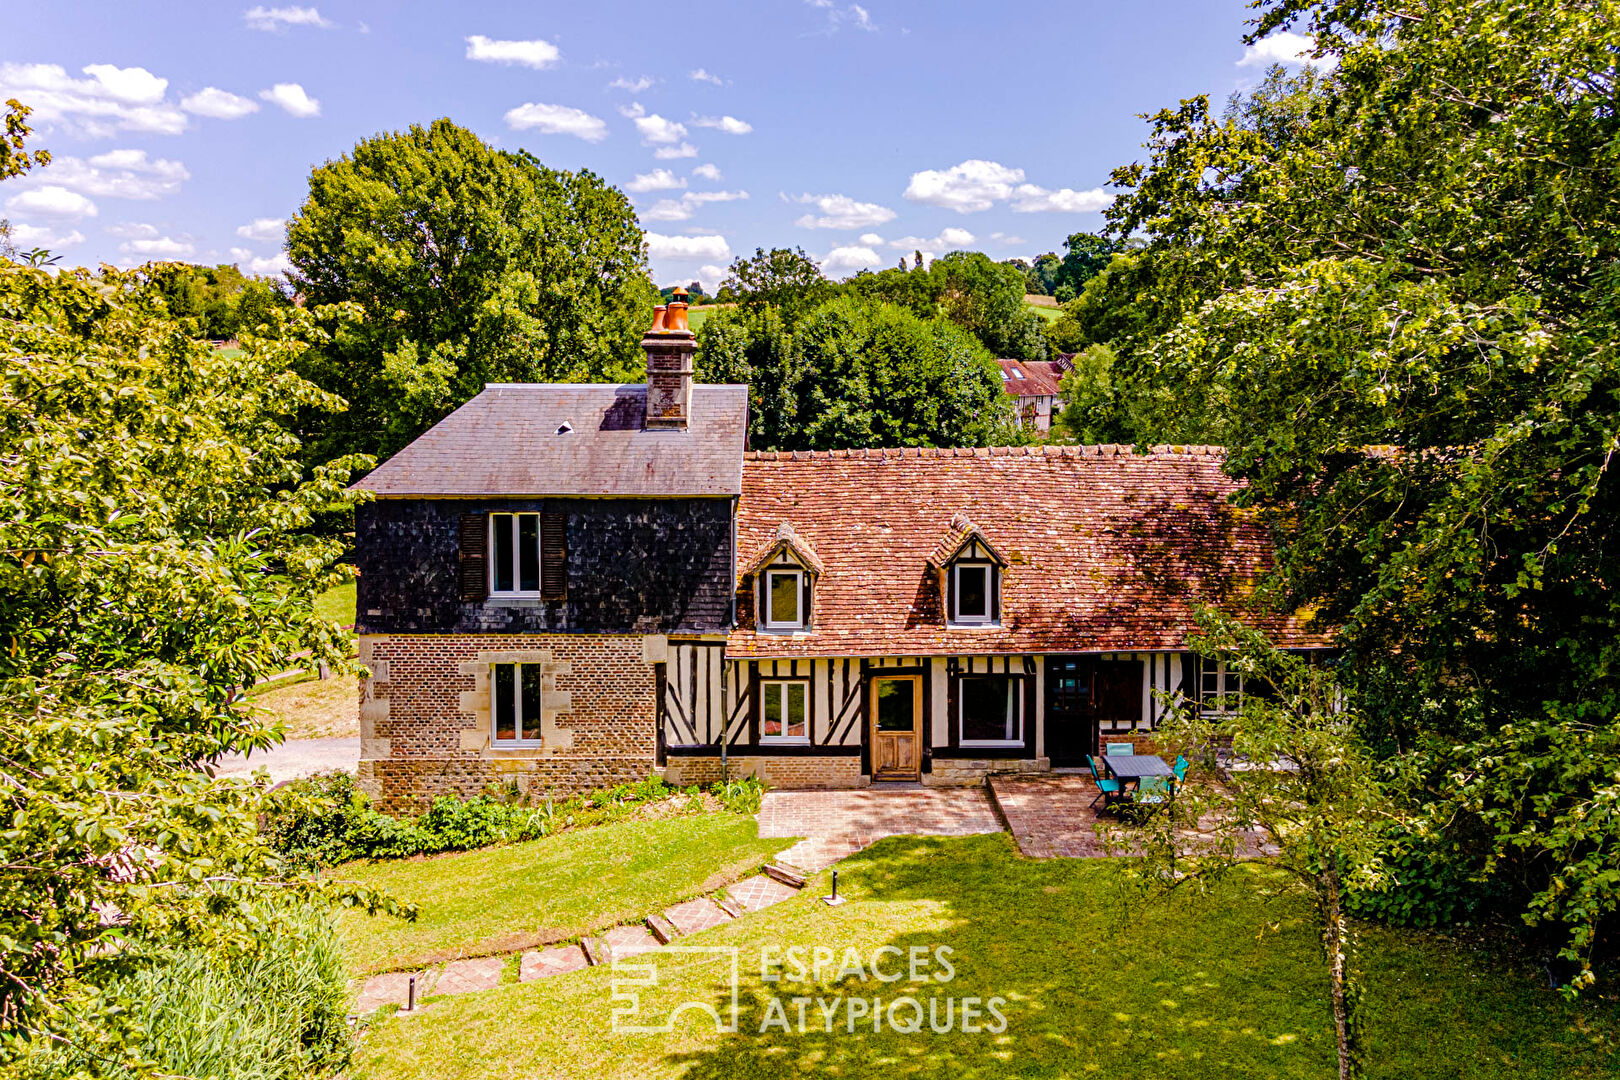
(485, 972)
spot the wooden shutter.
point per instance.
(474, 568)
(553, 555)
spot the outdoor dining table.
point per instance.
(1130, 768)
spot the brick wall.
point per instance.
(777, 772)
(971, 772)
(424, 715)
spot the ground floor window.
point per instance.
(784, 712)
(515, 704)
(1221, 690)
(990, 710)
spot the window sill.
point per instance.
(783, 740)
(517, 744)
(1003, 744)
(973, 626)
(784, 631)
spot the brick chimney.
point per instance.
(669, 346)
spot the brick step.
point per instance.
(661, 929)
(786, 875)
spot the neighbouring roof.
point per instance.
(1032, 378)
(508, 441)
(788, 540)
(1106, 550)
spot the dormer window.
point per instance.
(972, 588)
(784, 599)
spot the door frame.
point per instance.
(1086, 669)
(917, 720)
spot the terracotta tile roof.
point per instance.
(511, 440)
(1040, 378)
(1106, 549)
(785, 539)
(962, 529)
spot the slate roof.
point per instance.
(1107, 550)
(507, 442)
(1040, 377)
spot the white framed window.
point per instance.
(514, 705)
(784, 712)
(1220, 690)
(783, 597)
(989, 710)
(514, 554)
(972, 588)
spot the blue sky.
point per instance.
(858, 131)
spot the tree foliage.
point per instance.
(471, 265)
(152, 564)
(1393, 291)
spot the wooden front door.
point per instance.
(897, 727)
(1071, 718)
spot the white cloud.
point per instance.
(707, 171)
(844, 261)
(279, 18)
(655, 130)
(711, 276)
(1284, 48)
(112, 98)
(132, 230)
(263, 229)
(972, 186)
(52, 201)
(842, 212)
(871, 239)
(1029, 198)
(44, 236)
(270, 265)
(162, 247)
(681, 209)
(701, 75)
(672, 153)
(657, 180)
(218, 104)
(728, 124)
(690, 248)
(635, 86)
(534, 54)
(1004, 238)
(241, 254)
(837, 17)
(291, 97)
(950, 238)
(120, 174)
(557, 120)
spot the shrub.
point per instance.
(276, 1012)
(325, 820)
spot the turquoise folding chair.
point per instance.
(1152, 791)
(1107, 788)
(1180, 769)
(1121, 749)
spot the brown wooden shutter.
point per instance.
(553, 555)
(474, 557)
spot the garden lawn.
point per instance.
(1097, 981)
(315, 708)
(337, 604)
(505, 898)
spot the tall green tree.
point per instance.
(782, 278)
(1084, 257)
(986, 299)
(471, 265)
(752, 345)
(154, 561)
(1394, 293)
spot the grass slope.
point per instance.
(315, 708)
(1097, 982)
(337, 604)
(504, 898)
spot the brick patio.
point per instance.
(836, 824)
(558, 960)
(695, 915)
(465, 976)
(1050, 816)
(756, 893)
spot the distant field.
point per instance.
(695, 316)
(1050, 314)
(1037, 300)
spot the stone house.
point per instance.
(574, 585)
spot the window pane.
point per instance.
(784, 599)
(501, 580)
(505, 704)
(796, 701)
(972, 592)
(771, 719)
(531, 700)
(529, 552)
(896, 705)
(989, 707)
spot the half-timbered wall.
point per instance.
(1160, 671)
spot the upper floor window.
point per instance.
(784, 597)
(1220, 689)
(973, 593)
(514, 549)
(515, 704)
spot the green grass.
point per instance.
(337, 604)
(504, 898)
(1050, 314)
(696, 316)
(1097, 981)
